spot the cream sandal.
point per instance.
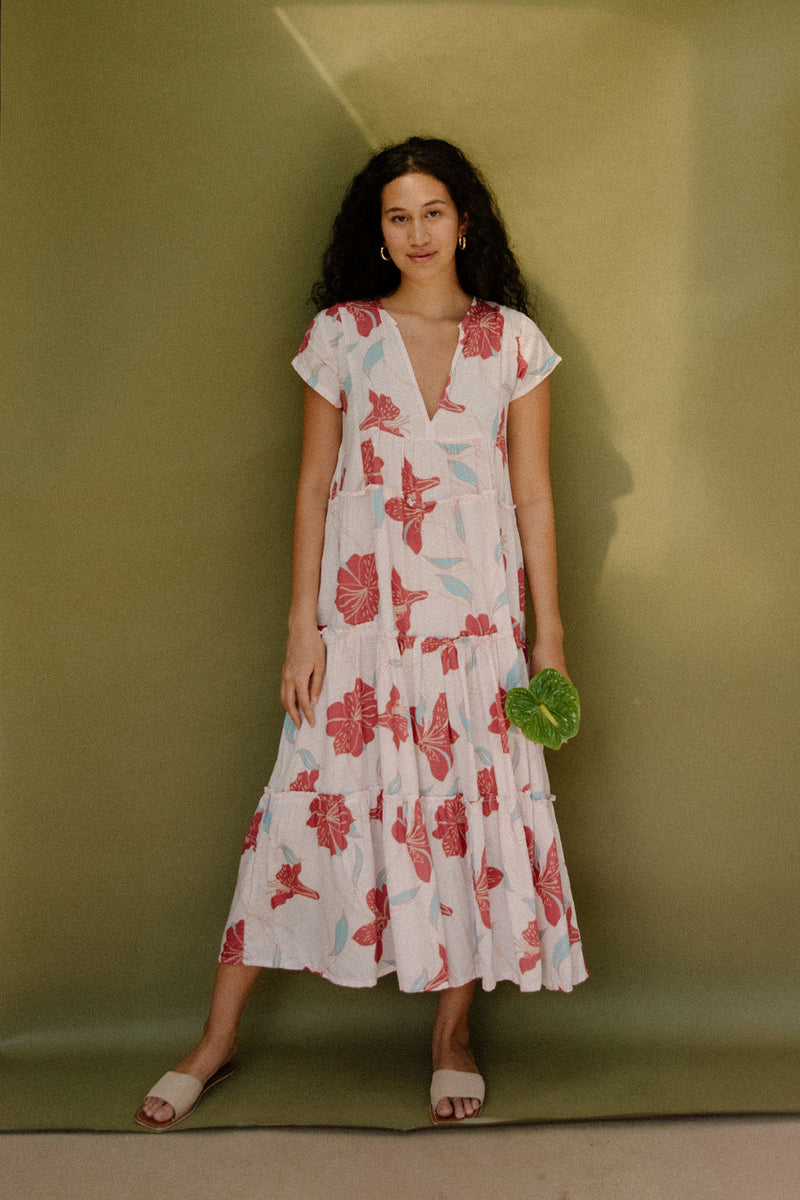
(446, 1084)
(183, 1092)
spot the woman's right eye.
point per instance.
(397, 219)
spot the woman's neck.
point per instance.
(435, 299)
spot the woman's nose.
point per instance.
(419, 232)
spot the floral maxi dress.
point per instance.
(412, 829)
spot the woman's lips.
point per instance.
(422, 258)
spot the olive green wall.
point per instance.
(170, 169)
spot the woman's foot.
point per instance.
(456, 1056)
(202, 1062)
(451, 1050)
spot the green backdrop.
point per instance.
(170, 171)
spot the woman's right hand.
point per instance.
(302, 674)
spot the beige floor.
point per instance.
(727, 1158)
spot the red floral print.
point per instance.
(411, 508)
(574, 935)
(233, 949)
(343, 400)
(478, 626)
(415, 840)
(376, 813)
(367, 314)
(252, 834)
(306, 781)
(442, 978)
(451, 827)
(371, 463)
(436, 742)
(288, 880)
(394, 718)
(532, 956)
(483, 330)
(306, 339)
(383, 416)
(357, 592)
(448, 649)
(547, 883)
(488, 877)
(402, 599)
(500, 440)
(447, 404)
(522, 366)
(372, 933)
(500, 722)
(332, 819)
(521, 580)
(352, 720)
(487, 790)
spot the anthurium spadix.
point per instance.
(548, 710)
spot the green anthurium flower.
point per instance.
(548, 710)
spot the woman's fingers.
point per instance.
(300, 692)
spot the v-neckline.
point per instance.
(412, 373)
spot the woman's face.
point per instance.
(420, 226)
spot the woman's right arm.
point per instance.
(304, 665)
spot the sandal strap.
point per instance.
(178, 1089)
(446, 1084)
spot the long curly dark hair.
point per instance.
(352, 268)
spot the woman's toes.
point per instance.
(444, 1108)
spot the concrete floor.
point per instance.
(700, 1158)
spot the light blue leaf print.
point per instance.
(539, 795)
(420, 709)
(465, 721)
(350, 349)
(484, 756)
(358, 864)
(443, 562)
(419, 983)
(561, 950)
(459, 524)
(544, 366)
(465, 473)
(266, 819)
(404, 896)
(498, 551)
(456, 586)
(276, 958)
(377, 500)
(371, 357)
(341, 935)
(394, 786)
(514, 676)
(347, 385)
(454, 447)
(381, 878)
(500, 601)
(289, 729)
(531, 903)
(289, 854)
(495, 426)
(309, 762)
(436, 909)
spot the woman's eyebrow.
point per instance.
(427, 204)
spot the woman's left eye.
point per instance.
(434, 212)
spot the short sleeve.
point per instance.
(317, 360)
(536, 358)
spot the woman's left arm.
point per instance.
(529, 469)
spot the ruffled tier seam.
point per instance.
(457, 498)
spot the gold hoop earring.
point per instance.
(462, 242)
(384, 255)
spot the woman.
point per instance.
(406, 826)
